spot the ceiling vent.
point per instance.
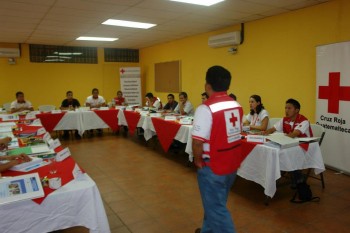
(10, 52)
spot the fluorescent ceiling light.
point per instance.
(200, 2)
(130, 24)
(54, 60)
(67, 53)
(96, 38)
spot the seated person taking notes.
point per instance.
(95, 100)
(153, 101)
(172, 103)
(12, 160)
(184, 107)
(20, 104)
(258, 118)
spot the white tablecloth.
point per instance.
(80, 121)
(78, 203)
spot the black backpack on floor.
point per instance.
(304, 194)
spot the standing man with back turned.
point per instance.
(217, 150)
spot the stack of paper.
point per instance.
(282, 141)
(29, 150)
(28, 166)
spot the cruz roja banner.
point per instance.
(130, 81)
(333, 103)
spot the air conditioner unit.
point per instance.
(227, 39)
(10, 52)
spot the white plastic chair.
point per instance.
(272, 121)
(46, 108)
(318, 131)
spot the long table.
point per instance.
(80, 120)
(76, 203)
(263, 163)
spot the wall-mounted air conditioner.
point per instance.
(10, 52)
(227, 39)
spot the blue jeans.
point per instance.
(214, 190)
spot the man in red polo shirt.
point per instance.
(216, 149)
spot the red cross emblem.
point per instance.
(122, 71)
(233, 120)
(334, 92)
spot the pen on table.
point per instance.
(31, 167)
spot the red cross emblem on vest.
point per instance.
(334, 92)
(233, 120)
(122, 71)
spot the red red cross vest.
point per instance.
(225, 139)
(287, 128)
(119, 101)
(160, 102)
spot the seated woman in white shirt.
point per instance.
(258, 118)
(184, 107)
(20, 104)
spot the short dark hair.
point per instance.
(19, 93)
(149, 95)
(95, 89)
(260, 107)
(205, 94)
(171, 96)
(69, 92)
(293, 102)
(183, 93)
(119, 92)
(218, 78)
(233, 96)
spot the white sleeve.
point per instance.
(177, 108)
(303, 127)
(263, 114)
(13, 105)
(29, 104)
(279, 125)
(188, 108)
(156, 104)
(249, 118)
(102, 101)
(202, 124)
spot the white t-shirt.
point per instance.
(188, 108)
(16, 105)
(156, 104)
(202, 123)
(95, 102)
(303, 127)
(257, 119)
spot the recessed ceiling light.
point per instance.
(96, 38)
(130, 24)
(200, 2)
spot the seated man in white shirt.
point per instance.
(95, 100)
(184, 107)
(20, 104)
(153, 101)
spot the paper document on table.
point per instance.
(282, 140)
(29, 150)
(20, 188)
(28, 166)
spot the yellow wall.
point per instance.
(276, 61)
(44, 83)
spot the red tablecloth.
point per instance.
(132, 118)
(50, 120)
(166, 131)
(110, 117)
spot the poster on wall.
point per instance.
(130, 81)
(333, 103)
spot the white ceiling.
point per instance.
(60, 22)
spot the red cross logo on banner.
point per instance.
(334, 92)
(122, 71)
(233, 120)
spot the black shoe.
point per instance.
(198, 230)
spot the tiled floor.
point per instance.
(148, 191)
